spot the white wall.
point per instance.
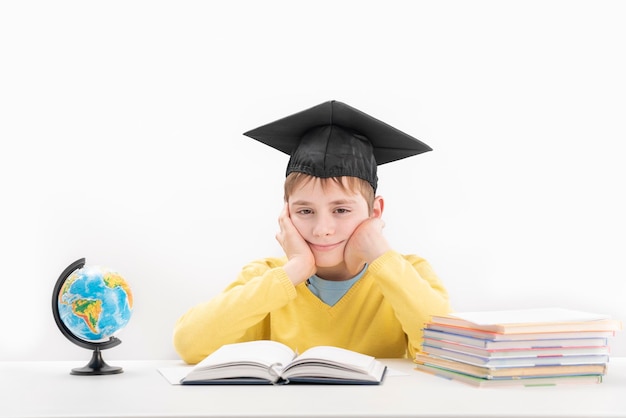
(121, 129)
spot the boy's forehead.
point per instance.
(316, 189)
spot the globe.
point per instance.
(95, 303)
(91, 304)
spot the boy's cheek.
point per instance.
(299, 227)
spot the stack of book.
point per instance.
(531, 347)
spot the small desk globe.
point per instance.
(90, 305)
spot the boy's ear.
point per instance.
(377, 208)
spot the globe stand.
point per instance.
(96, 366)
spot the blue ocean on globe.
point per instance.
(95, 303)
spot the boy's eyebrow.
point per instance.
(301, 203)
(343, 202)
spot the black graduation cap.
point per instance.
(333, 139)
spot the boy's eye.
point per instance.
(304, 211)
(342, 210)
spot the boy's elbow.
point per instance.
(186, 346)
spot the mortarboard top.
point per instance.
(333, 139)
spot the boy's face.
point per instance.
(326, 216)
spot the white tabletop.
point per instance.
(46, 389)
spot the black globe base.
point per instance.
(97, 366)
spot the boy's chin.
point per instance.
(329, 263)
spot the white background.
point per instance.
(121, 129)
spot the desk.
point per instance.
(46, 389)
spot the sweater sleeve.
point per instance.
(238, 314)
(413, 290)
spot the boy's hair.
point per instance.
(350, 184)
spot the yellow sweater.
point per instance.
(381, 315)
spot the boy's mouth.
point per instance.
(324, 247)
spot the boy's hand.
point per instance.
(301, 262)
(366, 244)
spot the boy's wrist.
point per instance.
(375, 253)
(298, 271)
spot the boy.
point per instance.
(340, 282)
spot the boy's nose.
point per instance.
(324, 227)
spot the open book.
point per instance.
(271, 362)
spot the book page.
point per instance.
(263, 352)
(524, 316)
(336, 355)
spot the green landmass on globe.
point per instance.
(95, 303)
